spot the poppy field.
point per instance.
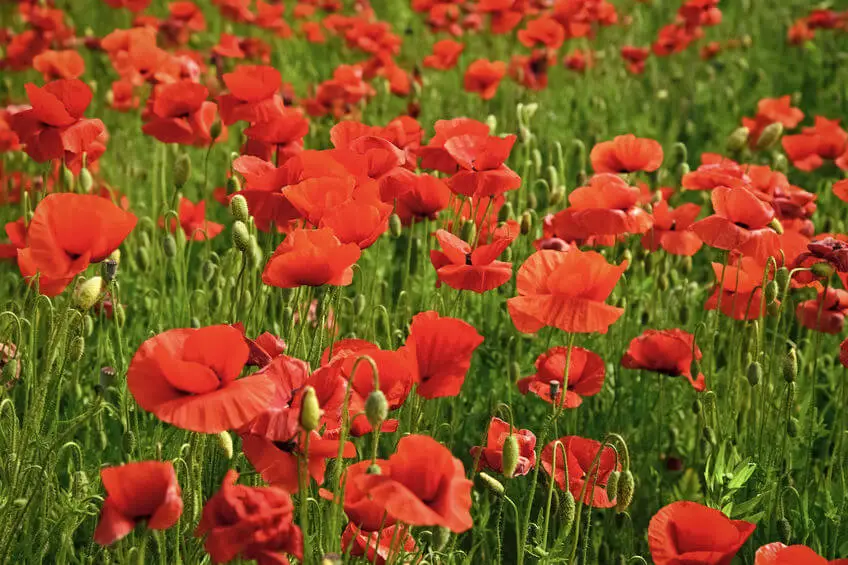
(443, 282)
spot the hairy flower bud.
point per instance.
(395, 225)
(492, 483)
(626, 487)
(76, 349)
(509, 455)
(769, 136)
(310, 411)
(85, 180)
(169, 246)
(612, 485)
(568, 510)
(376, 408)
(68, 180)
(88, 293)
(790, 366)
(469, 231)
(737, 140)
(225, 441)
(755, 373)
(182, 170)
(526, 223)
(238, 208)
(784, 530)
(241, 237)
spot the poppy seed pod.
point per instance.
(376, 408)
(755, 373)
(737, 140)
(88, 293)
(374, 469)
(790, 366)
(395, 225)
(509, 455)
(492, 483)
(554, 388)
(225, 441)
(241, 237)
(626, 486)
(612, 485)
(169, 246)
(238, 208)
(109, 269)
(76, 349)
(85, 180)
(769, 136)
(310, 411)
(784, 530)
(182, 170)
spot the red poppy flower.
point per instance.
(809, 149)
(826, 313)
(17, 233)
(193, 221)
(250, 523)
(445, 55)
(531, 71)
(668, 352)
(281, 132)
(579, 60)
(69, 231)
(483, 77)
(580, 454)
(189, 378)
(840, 189)
(422, 484)
(843, 353)
(253, 94)
(566, 291)
(626, 154)
(716, 171)
(435, 156)
(392, 540)
(676, 535)
(675, 38)
(463, 268)
(181, 114)
(311, 258)
(671, 230)
(741, 222)
(607, 206)
(544, 31)
(425, 197)
(741, 296)
(482, 171)
(779, 554)
(263, 349)
(770, 111)
(59, 64)
(635, 58)
(146, 491)
(491, 455)
(122, 96)
(54, 125)
(696, 13)
(273, 442)
(441, 348)
(586, 372)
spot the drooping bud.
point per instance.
(492, 483)
(568, 510)
(129, 441)
(225, 441)
(771, 292)
(441, 536)
(506, 212)
(769, 136)
(755, 373)
(679, 153)
(780, 163)
(784, 530)
(612, 485)
(738, 139)
(310, 410)
(76, 349)
(241, 237)
(88, 293)
(781, 277)
(626, 487)
(509, 455)
(776, 225)
(792, 427)
(85, 180)
(182, 170)
(709, 435)
(395, 225)
(822, 270)
(169, 246)
(526, 223)
(376, 408)
(557, 195)
(359, 304)
(238, 208)
(790, 366)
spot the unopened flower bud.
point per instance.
(769, 136)
(359, 304)
(679, 153)
(310, 411)
(85, 180)
(781, 277)
(771, 292)
(169, 246)
(238, 208)
(822, 270)
(568, 510)
(469, 231)
(129, 441)
(376, 408)
(784, 530)
(709, 435)
(208, 271)
(215, 130)
(506, 212)
(755, 373)
(792, 427)
(582, 178)
(626, 486)
(225, 441)
(88, 293)
(790, 366)
(509, 455)
(780, 163)
(557, 196)
(182, 170)
(776, 225)
(233, 185)
(492, 122)
(395, 225)
(76, 349)
(241, 237)
(738, 139)
(612, 485)
(526, 223)
(67, 178)
(491, 483)
(683, 169)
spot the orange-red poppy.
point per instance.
(840, 189)
(716, 171)
(808, 151)
(378, 546)
(780, 554)
(59, 64)
(251, 523)
(424, 198)
(770, 111)
(635, 58)
(146, 492)
(491, 455)
(566, 291)
(626, 154)
(280, 135)
(585, 478)
(825, 313)
(843, 353)
(462, 267)
(739, 289)
(192, 220)
(311, 258)
(668, 352)
(482, 171)
(181, 114)
(676, 535)
(544, 31)
(189, 378)
(435, 156)
(579, 60)
(671, 230)
(440, 349)
(445, 55)
(483, 77)
(253, 95)
(585, 369)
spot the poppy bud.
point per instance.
(526, 223)
(626, 486)
(709, 435)
(782, 278)
(663, 282)
(85, 180)
(822, 270)
(769, 136)
(256, 256)
(238, 208)
(514, 371)
(553, 175)
(696, 407)
(792, 427)
(687, 265)
(441, 537)
(784, 530)
(468, 231)
(310, 411)
(506, 212)
(492, 122)
(755, 373)
(771, 292)
(225, 440)
(80, 484)
(537, 161)
(612, 485)
(169, 246)
(683, 169)
(773, 308)
(532, 201)
(376, 408)
(88, 293)
(790, 366)
(779, 163)
(359, 304)
(182, 170)
(194, 322)
(579, 150)
(129, 441)
(87, 325)
(679, 153)
(492, 483)
(509, 456)
(67, 178)
(567, 509)
(208, 271)
(557, 196)
(776, 225)
(395, 225)
(120, 315)
(76, 349)
(524, 134)
(738, 139)
(374, 469)
(241, 237)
